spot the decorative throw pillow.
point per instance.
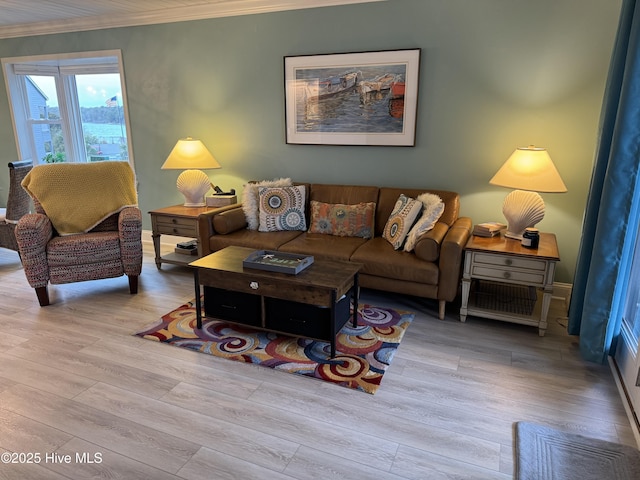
(432, 210)
(404, 213)
(343, 220)
(250, 199)
(281, 208)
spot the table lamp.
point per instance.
(529, 170)
(190, 155)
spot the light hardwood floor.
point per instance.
(75, 381)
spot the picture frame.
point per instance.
(362, 98)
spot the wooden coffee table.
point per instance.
(315, 303)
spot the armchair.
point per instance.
(87, 225)
(18, 203)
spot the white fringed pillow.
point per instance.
(250, 203)
(432, 209)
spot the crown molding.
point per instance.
(229, 8)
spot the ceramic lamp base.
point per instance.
(193, 184)
(522, 209)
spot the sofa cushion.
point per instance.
(281, 208)
(86, 249)
(401, 220)
(324, 246)
(250, 198)
(379, 259)
(342, 220)
(432, 208)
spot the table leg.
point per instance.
(196, 281)
(356, 299)
(466, 288)
(546, 302)
(156, 247)
(333, 323)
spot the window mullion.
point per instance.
(71, 121)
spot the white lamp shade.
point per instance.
(529, 168)
(189, 153)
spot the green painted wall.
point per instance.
(495, 75)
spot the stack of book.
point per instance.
(187, 248)
(488, 229)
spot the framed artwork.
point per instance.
(366, 98)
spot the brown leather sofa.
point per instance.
(432, 270)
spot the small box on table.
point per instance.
(221, 200)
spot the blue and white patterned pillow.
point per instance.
(281, 208)
(402, 217)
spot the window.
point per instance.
(69, 108)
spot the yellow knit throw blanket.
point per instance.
(78, 196)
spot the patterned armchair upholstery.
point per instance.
(111, 248)
(18, 203)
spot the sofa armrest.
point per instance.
(208, 225)
(428, 244)
(33, 232)
(229, 221)
(130, 233)
(451, 256)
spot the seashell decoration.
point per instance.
(193, 184)
(522, 209)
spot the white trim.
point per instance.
(628, 408)
(562, 291)
(167, 15)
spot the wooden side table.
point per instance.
(502, 279)
(180, 221)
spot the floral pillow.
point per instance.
(343, 220)
(432, 210)
(250, 199)
(402, 217)
(281, 208)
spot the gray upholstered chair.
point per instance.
(102, 194)
(18, 204)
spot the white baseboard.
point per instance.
(628, 408)
(562, 291)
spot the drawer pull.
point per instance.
(254, 285)
(173, 220)
(507, 275)
(228, 307)
(508, 262)
(175, 230)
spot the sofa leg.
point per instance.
(43, 296)
(441, 305)
(133, 284)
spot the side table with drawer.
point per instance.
(502, 280)
(179, 221)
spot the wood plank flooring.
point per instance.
(82, 397)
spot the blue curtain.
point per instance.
(608, 230)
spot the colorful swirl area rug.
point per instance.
(363, 353)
